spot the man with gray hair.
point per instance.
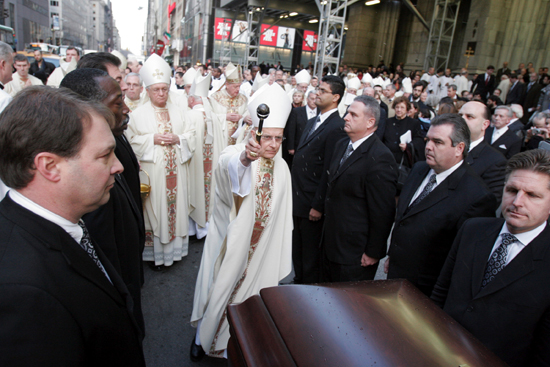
(387, 98)
(515, 123)
(134, 97)
(499, 136)
(360, 200)
(369, 91)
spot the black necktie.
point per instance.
(86, 244)
(426, 191)
(313, 128)
(497, 261)
(346, 155)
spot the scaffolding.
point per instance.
(442, 30)
(331, 35)
(254, 18)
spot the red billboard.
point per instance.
(310, 41)
(222, 26)
(269, 35)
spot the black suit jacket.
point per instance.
(382, 124)
(490, 165)
(118, 229)
(360, 202)
(42, 72)
(311, 161)
(127, 158)
(508, 143)
(531, 100)
(423, 235)
(486, 89)
(295, 127)
(511, 315)
(515, 94)
(57, 308)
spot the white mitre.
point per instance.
(233, 74)
(367, 79)
(201, 85)
(407, 85)
(379, 81)
(276, 99)
(259, 82)
(155, 70)
(123, 61)
(303, 77)
(354, 83)
(189, 76)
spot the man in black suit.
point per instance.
(515, 94)
(485, 83)
(504, 70)
(486, 161)
(311, 161)
(532, 94)
(118, 225)
(360, 199)
(40, 68)
(61, 301)
(500, 136)
(495, 281)
(438, 196)
(297, 122)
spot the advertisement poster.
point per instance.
(240, 32)
(222, 26)
(285, 37)
(310, 41)
(269, 35)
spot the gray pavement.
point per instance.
(167, 298)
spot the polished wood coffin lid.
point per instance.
(370, 323)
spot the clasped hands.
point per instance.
(166, 139)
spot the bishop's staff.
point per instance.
(262, 112)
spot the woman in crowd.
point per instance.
(399, 125)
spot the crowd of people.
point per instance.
(116, 162)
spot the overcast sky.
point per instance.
(130, 22)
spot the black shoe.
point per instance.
(155, 267)
(196, 353)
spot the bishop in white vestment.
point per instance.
(164, 144)
(248, 246)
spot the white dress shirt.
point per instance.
(497, 133)
(323, 117)
(310, 112)
(439, 178)
(524, 239)
(476, 143)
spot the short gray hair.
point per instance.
(517, 109)
(133, 74)
(6, 52)
(453, 87)
(372, 107)
(508, 110)
(313, 91)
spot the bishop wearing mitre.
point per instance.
(229, 107)
(164, 143)
(249, 242)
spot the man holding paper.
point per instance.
(438, 196)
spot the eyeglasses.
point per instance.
(322, 91)
(158, 90)
(268, 138)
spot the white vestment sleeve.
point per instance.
(241, 176)
(187, 141)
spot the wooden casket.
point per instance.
(370, 323)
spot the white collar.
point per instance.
(440, 177)
(73, 229)
(526, 237)
(324, 116)
(476, 143)
(358, 143)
